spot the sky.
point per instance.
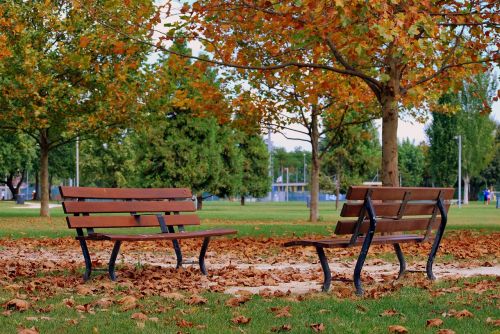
(413, 130)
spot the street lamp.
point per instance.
(77, 161)
(459, 137)
(304, 167)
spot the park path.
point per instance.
(248, 270)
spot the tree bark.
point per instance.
(315, 165)
(199, 202)
(466, 179)
(390, 174)
(242, 200)
(37, 186)
(44, 175)
(14, 188)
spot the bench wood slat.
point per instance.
(129, 221)
(158, 236)
(385, 225)
(390, 209)
(397, 193)
(131, 206)
(125, 193)
(344, 243)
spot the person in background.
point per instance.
(486, 196)
(3, 195)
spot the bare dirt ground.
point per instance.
(256, 265)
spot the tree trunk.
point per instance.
(466, 179)
(37, 186)
(390, 172)
(199, 202)
(242, 200)
(315, 165)
(44, 175)
(14, 188)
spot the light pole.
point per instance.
(459, 137)
(286, 189)
(304, 167)
(77, 161)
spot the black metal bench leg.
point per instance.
(178, 253)
(432, 255)
(437, 240)
(201, 259)
(401, 258)
(88, 262)
(112, 260)
(326, 269)
(361, 262)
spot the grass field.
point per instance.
(410, 305)
(253, 219)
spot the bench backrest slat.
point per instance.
(130, 206)
(129, 221)
(397, 193)
(124, 193)
(398, 209)
(138, 207)
(390, 209)
(385, 225)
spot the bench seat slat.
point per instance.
(397, 193)
(390, 209)
(129, 221)
(132, 206)
(385, 225)
(344, 243)
(124, 193)
(158, 236)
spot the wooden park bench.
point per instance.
(382, 210)
(133, 207)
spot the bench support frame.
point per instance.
(368, 210)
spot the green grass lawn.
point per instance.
(253, 219)
(410, 307)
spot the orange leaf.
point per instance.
(17, 304)
(240, 319)
(397, 329)
(84, 41)
(317, 327)
(434, 322)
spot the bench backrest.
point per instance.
(91, 207)
(397, 209)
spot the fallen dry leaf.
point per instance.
(282, 328)
(31, 318)
(397, 329)
(184, 323)
(237, 301)
(389, 313)
(31, 330)
(445, 331)
(83, 290)
(434, 322)
(281, 312)
(196, 300)
(104, 303)
(139, 316)
(17, 304)
(463, 314)
(493, 322)
(240, 319)
(128, 303)
(173, 295)
(317, 327)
